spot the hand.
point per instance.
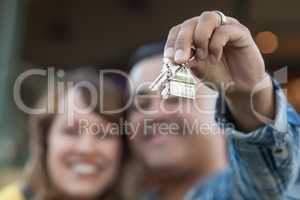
(227, 57)
(225, 54)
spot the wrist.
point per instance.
(252, 109)
(249, 89)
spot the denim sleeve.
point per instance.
(265, 162)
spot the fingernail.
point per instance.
(169, 53)
(179, 56)
(213, 60)
(201, 53)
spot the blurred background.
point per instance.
(66, 34)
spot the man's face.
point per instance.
(170, 133)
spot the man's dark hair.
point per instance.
(146, 51)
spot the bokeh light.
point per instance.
(267, 42)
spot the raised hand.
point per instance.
(225, 54)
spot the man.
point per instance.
(261, 161)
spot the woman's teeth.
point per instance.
(84, 169)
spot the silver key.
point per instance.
(155, 85)
(162, 77)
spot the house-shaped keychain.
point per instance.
(180, 82)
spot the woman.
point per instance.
(77, 151)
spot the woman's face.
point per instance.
(83, 158)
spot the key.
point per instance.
(155, 85)
(165, 93)
(162, 77)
